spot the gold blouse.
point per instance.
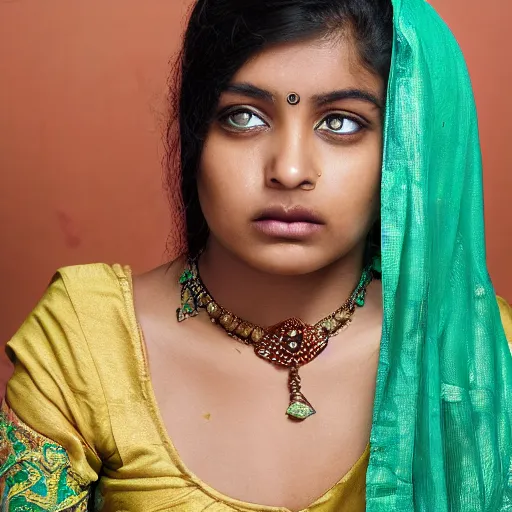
(81, 421)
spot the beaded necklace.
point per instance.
(291, 343)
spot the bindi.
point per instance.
(293, 98)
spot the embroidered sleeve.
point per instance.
(35, 472)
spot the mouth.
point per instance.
(289, 215)
(296, 222)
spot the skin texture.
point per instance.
(224, 407)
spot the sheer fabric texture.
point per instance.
(441, 436)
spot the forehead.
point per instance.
(309, 67)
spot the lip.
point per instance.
(292, 214)
(295, 222)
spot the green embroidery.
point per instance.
(35, 472)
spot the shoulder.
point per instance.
(158, 290)
(90, 291)
(75, 299)
(92, 278)
(57, 387)
(77, 285)
(58, 345)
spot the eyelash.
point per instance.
(226, 115)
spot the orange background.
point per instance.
(82, 117)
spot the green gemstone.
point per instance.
(187, 308)
(360, 300)
(186, 276)
(376, 264)
(300, 410)
(184, 313)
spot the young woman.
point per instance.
(331, 183)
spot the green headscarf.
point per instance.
(442, 426)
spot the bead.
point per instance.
(233, 325)
(213, 310)
(204, 299)
(341, 316)
(329, 325)
(226, 320)
(257, 334)
(244, 330)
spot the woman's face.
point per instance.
(290, 189)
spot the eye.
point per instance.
(339, 124)
(242, 119)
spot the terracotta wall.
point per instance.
(483, 33)
(82, 113)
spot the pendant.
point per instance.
(292, 344)
(299, 408)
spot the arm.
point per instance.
(54, 424)
(35, 472)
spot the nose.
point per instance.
(290, 162)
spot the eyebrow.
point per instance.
(250, 90)
(344, 94)
(246, 89)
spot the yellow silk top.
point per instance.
(81, 422)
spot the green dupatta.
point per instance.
(442, 426)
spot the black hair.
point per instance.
(222, 35)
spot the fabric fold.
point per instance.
(442, 335)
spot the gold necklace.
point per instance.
(291, 343)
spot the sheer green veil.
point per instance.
(442, 425)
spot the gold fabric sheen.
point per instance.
(81, 380)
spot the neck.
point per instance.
(266, 299)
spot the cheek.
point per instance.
(354, 186)
(226, 181)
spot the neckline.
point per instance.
(140, 347)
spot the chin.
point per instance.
(287, 259)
